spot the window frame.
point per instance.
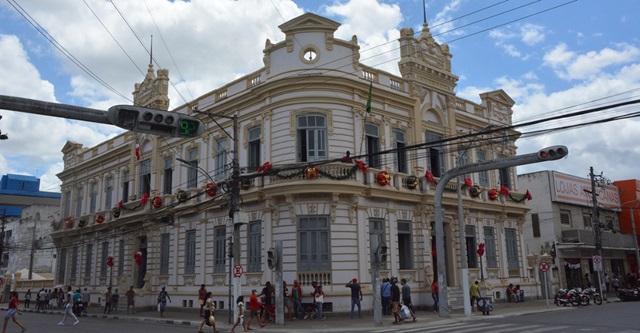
(314, 230)
(190, 252)
(253, 149)
(311, 138)
(167, 176)
(372, 136)
(105, 255)
(254, 246)
(405, 245)
(483, 176)
(221, 158)
(220, 248)
(165, 253)
(400, 142)
(108, 193)
(88, 259)
(470, 245)
(192, 169)
(490, 250)
(435, 154)
(511, 248)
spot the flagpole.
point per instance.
(368, 112)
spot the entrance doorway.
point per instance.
(142, 268)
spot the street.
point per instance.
(610, 317)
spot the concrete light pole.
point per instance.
(466, 298)
(546, 154)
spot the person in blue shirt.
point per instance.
(385, 291)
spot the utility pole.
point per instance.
(595, 221)
(33, 249)
(230, 255)
(4, 222)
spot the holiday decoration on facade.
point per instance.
(99, 219)
(68, 222)
(265, 168)
(429, 177)
(383, 178)
(412, 182)
(182, 196)
(144, 199)
(245, 184)
(110, 261)
(475, 191)
(115, 212)
(211, 190)
(467, 182)
(82, 223)
(362, 166)
(138, 258)
(493, 194)
(156, 202)
(311, 172)
(504, 190)
(526, 196)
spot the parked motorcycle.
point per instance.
(592, 294)
(626, 295)
(570, 296)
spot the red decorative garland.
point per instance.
(156, 202)
(467, 181)
(99, 219)
(144, 199)
(265, 168)
(504, 190)
(362, 166)
(69, 222)
(138, 258)
(429, 176)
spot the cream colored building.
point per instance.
(305, 106)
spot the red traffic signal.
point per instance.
(552, 153)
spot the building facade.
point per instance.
(318, 172)
(561, 225)
(28, 213)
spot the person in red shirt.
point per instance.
(202, 297)
(435, 295)
(254, 309)
(13, 312)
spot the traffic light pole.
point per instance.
(547, 154)
(279, 297)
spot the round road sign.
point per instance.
(544, 266)
(237, 270)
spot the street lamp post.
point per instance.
(546, 154)
(466, 299)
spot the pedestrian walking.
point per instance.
(435, 295)
(406, 298)
(27, 298)
(318, 300)
(475, 293)
(395, 300)
(202, 297)
(356, 296)
(607, 282)
(68, 308)
(296, 296)
(86, 299)
(587, 280)
(162, 300)
(254, 309)
(615, 283)
(240, 318)
(13, 312)
(308, 314)
(131, 302)
(286, 298)
(385, 291)
(107, 301)
(268, 293)
(209, 314)
(115, 298)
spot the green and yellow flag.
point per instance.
(369, 98)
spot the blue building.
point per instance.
(19, 191)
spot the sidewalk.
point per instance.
(334, 323)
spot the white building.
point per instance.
(560, 224)
(302, 112)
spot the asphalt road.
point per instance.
(609, 318)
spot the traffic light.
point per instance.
(552, 153)
(272, 258)
(230, 252)
(152, 121)
(382, 252)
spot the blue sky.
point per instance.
(548, 55)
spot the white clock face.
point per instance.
(310, 55)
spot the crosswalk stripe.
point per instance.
(546, 329)
(475, 327)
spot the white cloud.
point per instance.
(527, 34)
(19, 76)
(570, 65)
(532, 34)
